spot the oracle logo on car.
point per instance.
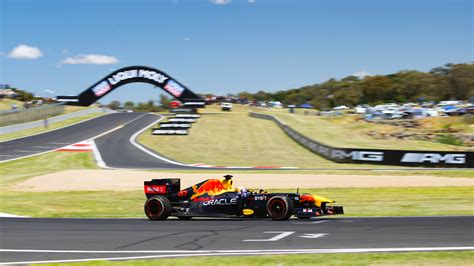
(223, 201)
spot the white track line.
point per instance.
(9, 215)
(319, 222)
(98, 157)
(187, 253)
(197, 166)
(134, 143)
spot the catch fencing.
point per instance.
(17, 116)
(457, 159)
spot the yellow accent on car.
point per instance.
(247, 211)
(318, 200)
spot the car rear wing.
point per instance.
(165, 187)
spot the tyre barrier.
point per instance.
(442, 159)
(177, 124)
(182, 120)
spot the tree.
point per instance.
(114, 105)
(451, 81)
(129, 105)
(164, 101)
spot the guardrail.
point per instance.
(51, 120)
(458, 159)
(18, 116)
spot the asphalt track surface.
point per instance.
(62, 137)
(42, 239)
(117, 151)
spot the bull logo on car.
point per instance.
(210, 187)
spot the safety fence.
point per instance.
(458, 159)
(18, 116)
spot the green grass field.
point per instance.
(402, 258)
(52, 126)
(414, 201)
(6, 104)
(344, 132)
(235, 139)
(22, 169)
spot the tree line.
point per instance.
(149, 106)
(448, 82)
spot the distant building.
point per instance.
(7, 93)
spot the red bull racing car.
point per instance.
(217, 198)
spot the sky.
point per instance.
(225, 46)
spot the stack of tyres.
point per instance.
(179, 124)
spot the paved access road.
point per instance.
(25, 239)
(62, 137)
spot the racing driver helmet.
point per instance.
(242, 191)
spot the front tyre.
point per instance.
(158, 208)
(280, 208)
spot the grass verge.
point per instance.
(22, 169)
(345, 132)
(403, 258)
(52, 126)
(414, 201)
(235, 139)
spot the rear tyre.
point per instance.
(158, 208)
(280, 208)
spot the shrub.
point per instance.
(450, 139)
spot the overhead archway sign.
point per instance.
(133, 74)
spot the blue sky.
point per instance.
(224, 46)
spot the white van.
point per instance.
(226, 107)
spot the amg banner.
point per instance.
(135, 74)
(459, 159)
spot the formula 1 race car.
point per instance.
(217, 198)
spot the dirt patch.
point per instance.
(123, 180)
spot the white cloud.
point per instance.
(252, 1)
(220, 2)
(91, 59)
(361, 74)
(25, 52)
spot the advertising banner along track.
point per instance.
(135, 74)
(459, 159)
